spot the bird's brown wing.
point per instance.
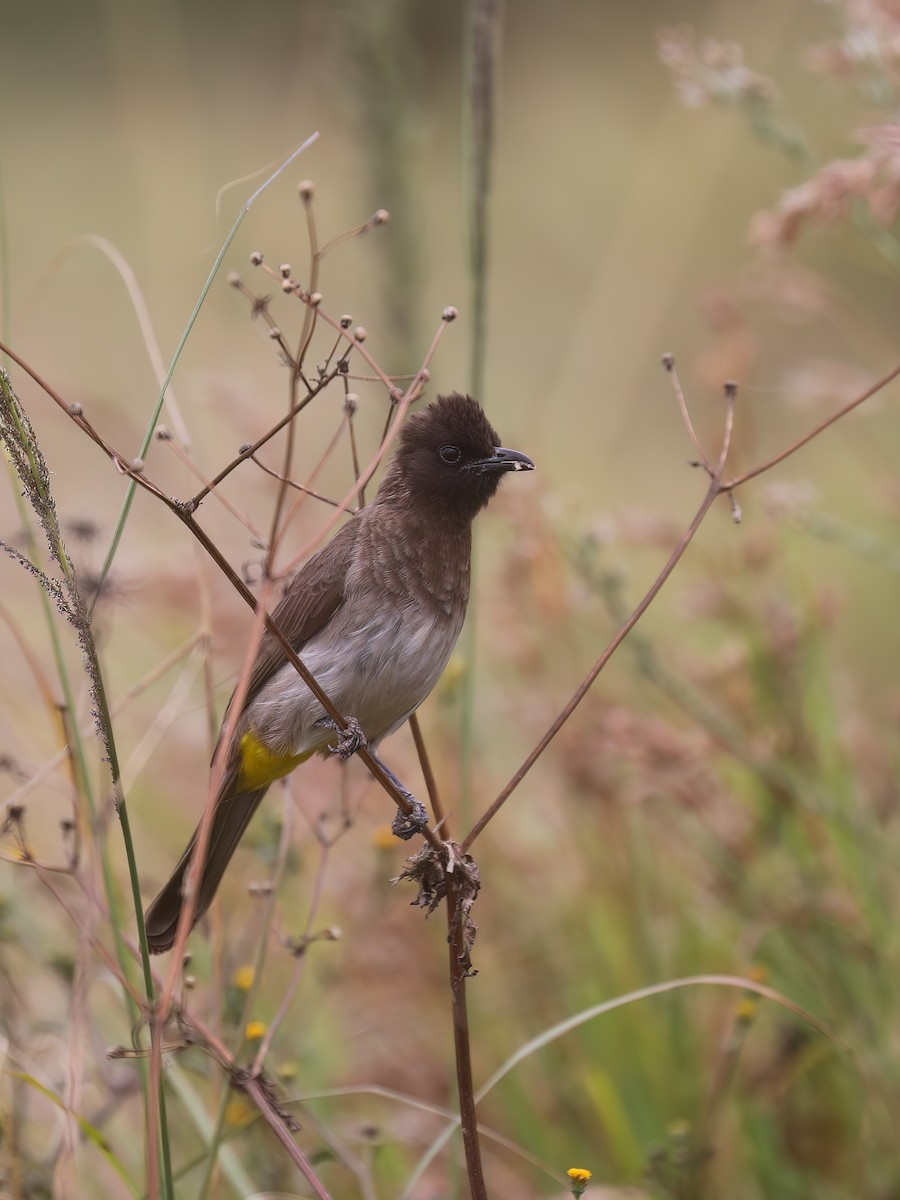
(311, 600)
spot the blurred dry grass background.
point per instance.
(726, 799)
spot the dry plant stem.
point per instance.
(669, 364)
(403, 403)
(434, 798)
(287, 999)
(298, 486)
(458, 974)
(257, 1090)
(180, 511)
(303, 492)
(192, 504)
(730, 484)
(186, 460)
(188, 908)
(716, 488)
(588, 681)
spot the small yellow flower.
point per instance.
(745, 1010)
(383, 838)
(758, 972)
(255, 1030)
(239, 1111)
(578, 1177)
(243, 978)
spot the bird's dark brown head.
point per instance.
(449, 457)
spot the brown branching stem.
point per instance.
(460, 970)
(717, 487)
(185, 514)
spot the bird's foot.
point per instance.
(349, 740)
(407, 825)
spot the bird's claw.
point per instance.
(407, 825)
(349, 740)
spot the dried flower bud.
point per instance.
(360, 333)
(75, 410)
(285, 269)
(190, 981)
(287, 285)
(668, 361)
(256, 258)
(351, 403)
(346, 321)
(137, 465)
(275, 333)
(450, 313)
(306, 189)
(730, 389)
(425, 375)
(315, 299)
(245, 448)
(381, 217)
(163, 434)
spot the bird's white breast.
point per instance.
(377, 659)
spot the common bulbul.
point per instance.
(374, 615)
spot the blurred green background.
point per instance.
(726, 798)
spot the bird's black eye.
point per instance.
(450, 455)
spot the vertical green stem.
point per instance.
(481, 46)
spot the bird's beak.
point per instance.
(503, 460)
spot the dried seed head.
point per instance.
(256, 258)
(381, 217)
(346, 321)
(351, 403)
(360, 333)
(245, 447)
(315, 299)
(190, 981)
(287, 285)
(285, 269)
(396, 394)
(668, 361)
(75, 410)
(275, 333)
(234, 279)
(137, 465)
(730, 389)
(425, 375)
(163, 434)
(450, 313)
(306, 190)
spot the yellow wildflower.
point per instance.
(745, 1010)
(239, 1111)
(578, 1178)
(255, 1031)
(383, 838)
(243, 978)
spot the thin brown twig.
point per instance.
(434, 797)
(288, 997)
(184, 513)
(459, 972)
(162, 435)
(716, 488)
(731, 484)
(300, 487)
(668, 362)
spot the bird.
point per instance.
(374, 615)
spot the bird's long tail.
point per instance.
(231, 817)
